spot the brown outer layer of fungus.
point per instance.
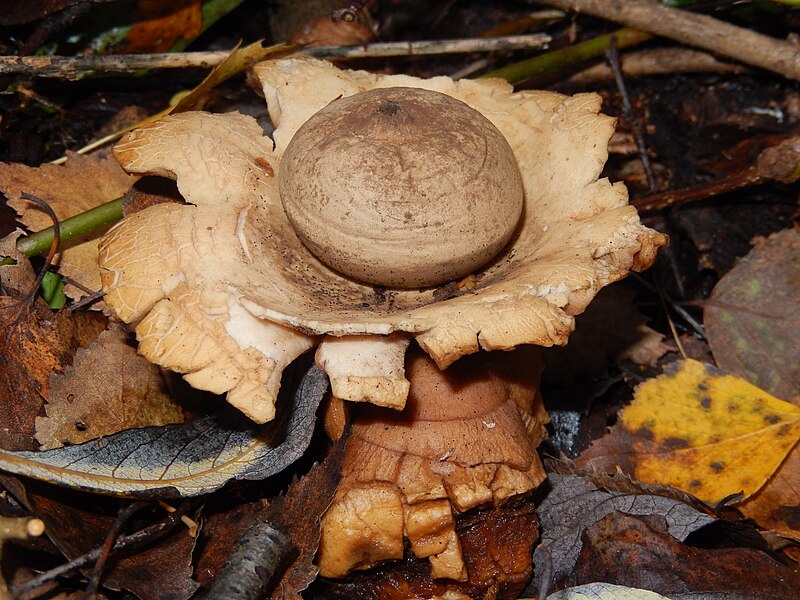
(401, 187)
(466, 438)
(224, 291)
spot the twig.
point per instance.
(780, 163)
(698, 328)
(699, 191)
(256, 559)
(85, 301)
(670, 322)
(569, 56)
(627, 111)
(74, 67)
(696, 30)
(658, 61)
(148, 534)
(105, 551)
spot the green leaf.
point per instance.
(52, 289)
(187, 459)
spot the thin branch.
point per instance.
(627, 110)
(569, 56)
(657, 61)
(111, 538)
(149, 534)
(693, 323)
(696, 30)
(75, 67)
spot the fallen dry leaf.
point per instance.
(299, 512)
(637, 552)
(108, 388)
(604, 591)
(158, 25)
(34, 343)
(610, 330)
(83, 182)
(576, 503)
(187, 459)
(78, 522)
(752, 318)
(752, 322)
(699, 430)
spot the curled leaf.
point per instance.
(183, 460)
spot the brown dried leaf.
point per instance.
(637, 552)
(753, 323)
(576, 503)
(78, 522)
(610, 330)
(83, 182)
(299, 512)
(753, 317)
(158, 25)
(108, 388)
(34, 343)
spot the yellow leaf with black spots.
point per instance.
(697, 429)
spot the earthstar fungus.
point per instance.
(466, 438)
(223, 289)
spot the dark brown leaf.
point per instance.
(299, 512)
(637, 552)
(753, 317)
(34, 343)
(576, 503)
(78, 522)
(611, 329)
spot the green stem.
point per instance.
(571, 55)
(84, 222)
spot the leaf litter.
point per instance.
(575, 503)
(188, 459)
(84, 182)
(108, 388)
(773, 505)
(701, 431)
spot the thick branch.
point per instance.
(74, 67)
(696, 30)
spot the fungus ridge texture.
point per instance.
(229, 262)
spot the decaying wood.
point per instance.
(75, 67)
(696, 30)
